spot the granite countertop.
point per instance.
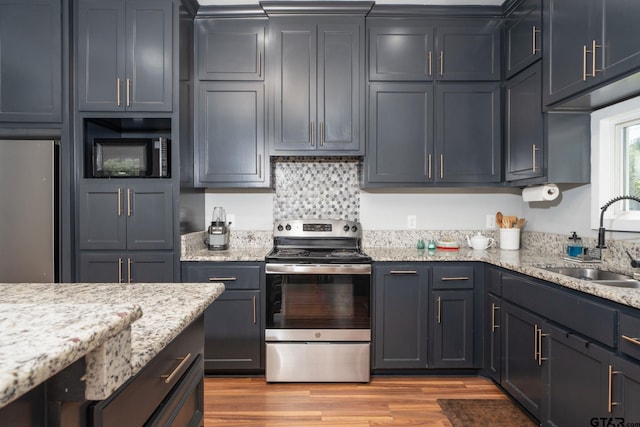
(531, 263)
(231, 254)
(118, 328)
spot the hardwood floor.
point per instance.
(385, 401)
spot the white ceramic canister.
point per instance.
(510, 239)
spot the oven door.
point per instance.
(318, 302)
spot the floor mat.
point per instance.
(484, 413)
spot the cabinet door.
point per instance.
(102, 217)
(469, 50)
(452, 320)
(468, 134)
(401, 316)
(569, 33)
(150, 267)
(340, 87)
(230, 49)
(101, 55)
(30, 61)
(102, 267)
(295, 58)
(400, 133)
(400, 51)
(149, 55)
(570, 362)
(231, 129)
(233, 332)
(524, 125)
(620, 50)
(492, 337)
(625, 377)
(149, 212)
(523, 36)
(521, 373)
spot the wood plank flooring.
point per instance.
(385, 401)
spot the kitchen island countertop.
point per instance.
(118, 328)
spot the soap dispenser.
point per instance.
(574, 248)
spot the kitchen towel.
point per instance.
(541, 193)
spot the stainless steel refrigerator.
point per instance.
(28, 211)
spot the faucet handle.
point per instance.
(634, 262)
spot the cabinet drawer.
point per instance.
(139, 397)
(233, 277)
(572, 311)
(629, 339)
(453, 277)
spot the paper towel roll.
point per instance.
(541, 193)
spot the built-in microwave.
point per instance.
(131, 157)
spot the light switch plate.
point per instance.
(411, 221)
(490, 221)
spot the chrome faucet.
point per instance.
(601, 230)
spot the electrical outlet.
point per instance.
(490, 221)
(411, 221)
(231, 219)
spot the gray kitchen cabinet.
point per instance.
(523, 36)
(234, 325)
(401, 300)
(452, 317)
(401, 133)
(468, 133)
(125, 215)
(492, 335)
(625, 393)
(425, 50)
(125, 55)
(125, 267)
(30, 61)
(230, 49)
(318, 85)
(230, 141)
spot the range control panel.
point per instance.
(317, 228)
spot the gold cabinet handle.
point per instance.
(119, 270)
(442, 63)
(129, 202)
(129, 263)
(260, 63)
(540, 335)
(255, 314)
(118, 90)
(403, 272)
(311, 134)
(321, 139)
(183, 361)
(594, 46)
(610, 402)
(535, 342)
(119, 202)
(429, 166)
(635, 341)
(534, 49)
(584, 63)
(430, 64)
(441, 166)
(128, 92)
(439, 310)
(448, 279)
(222, 279)
(494, 326)
(259, 166)
(534, 153)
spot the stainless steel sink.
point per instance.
(601, 277)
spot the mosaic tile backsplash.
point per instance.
(315, 187)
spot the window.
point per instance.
(615, 164)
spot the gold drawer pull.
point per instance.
(403, 272)
(222, 279)
(635, 341)
(447, 279)
(183, 361)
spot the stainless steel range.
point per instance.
(318, 326)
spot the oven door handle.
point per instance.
(273, 268)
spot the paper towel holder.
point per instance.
(541, 193)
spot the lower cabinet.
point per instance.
(125, 267)
(234, 332)
(401, 315)
(624, 377)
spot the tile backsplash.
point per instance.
(316, 187)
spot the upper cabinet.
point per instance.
(125, 55)
(318, 85)
(30, 61)
(590, 43)
(425, 50)
(523, 36)
(230, 49)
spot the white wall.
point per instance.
(569, 212)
